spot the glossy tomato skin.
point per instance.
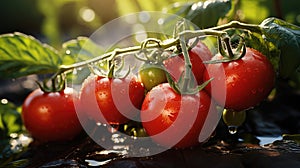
(51, 116)
(111, 100)
(198, 54)
(245, 82)
(152, 75)
(167, 116)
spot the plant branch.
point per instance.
(185, 35)
(189, 34)
(187, 65)
(165, 44)
(239, 25)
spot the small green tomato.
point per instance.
(152, 75)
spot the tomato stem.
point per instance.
(187, 84)
(152, 43)
(188, 65)
(228, 47)
(239, 25)
(165, 44)
(57, 84)
(189, 34)
(53, 83)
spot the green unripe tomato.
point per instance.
(233, 118)
(152, 75)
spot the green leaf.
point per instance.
(285, 37)
(203, 14)
(22, 55)
(80, 49)
(10, 119)
(77, 50)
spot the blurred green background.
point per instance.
(55, 21)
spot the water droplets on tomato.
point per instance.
(235, 65)
(102, 95)
(231, 80)
(249, 70)
(201, 106)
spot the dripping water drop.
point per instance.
(113, 128)
(232, 129)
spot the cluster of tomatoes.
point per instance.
(164, 113)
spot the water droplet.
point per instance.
(75, 71)
(117, 138)
(232, 129)
(68, 52)
(235, 65)
(4, 101)
(97, 163)
(113, 128)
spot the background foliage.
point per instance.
(56, 21)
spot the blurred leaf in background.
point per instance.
(23, 16)
(13, 141)
(10, 119)
(56, 21)
(198, 12)
(255, 11)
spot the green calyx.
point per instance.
(154, 56)
(225, 49)
(112, 72)
(190, 88)
(56, 83)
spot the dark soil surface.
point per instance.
(85, 153)
(272, 119)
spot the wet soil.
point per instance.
(272, 119)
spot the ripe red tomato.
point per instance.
(51, 116)
(198, 54)
(243, 83)
(175, 120)
(111, 100)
